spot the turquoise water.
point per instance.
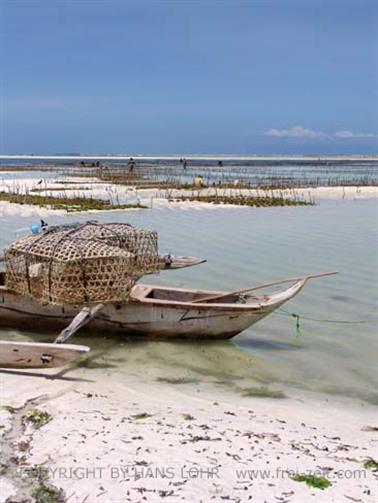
(247, 246)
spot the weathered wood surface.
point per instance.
(173, 262)
(22, 355)
(147, 316)
(81, 319)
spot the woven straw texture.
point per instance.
(90, 262)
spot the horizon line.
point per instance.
(79, 156)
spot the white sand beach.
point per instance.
(112, 439)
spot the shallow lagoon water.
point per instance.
(35, 175)
(247, 246)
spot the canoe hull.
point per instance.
(128, 319)
(149, 318)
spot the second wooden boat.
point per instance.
(16, 355)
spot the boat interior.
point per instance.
(192, 295)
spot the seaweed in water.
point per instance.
(262, 392)
(177, 380)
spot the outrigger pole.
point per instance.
(264, 285)
(81, 319)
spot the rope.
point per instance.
(298, 332)
(297, 317)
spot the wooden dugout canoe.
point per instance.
(152, 311)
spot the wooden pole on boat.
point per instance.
(264, 285)
(81, 319)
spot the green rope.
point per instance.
(242, 298)
(297, 325)
(283, 312)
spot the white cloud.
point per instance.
(350, 134)
(303, 132)
(295, 132)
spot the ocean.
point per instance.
(336, 351)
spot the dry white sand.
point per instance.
(135, 439)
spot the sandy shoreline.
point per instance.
(136, 438)
(305, 193)
(157, 198)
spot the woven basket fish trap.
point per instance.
(83, 263)
(142, 243)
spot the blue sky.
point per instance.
(196, 76)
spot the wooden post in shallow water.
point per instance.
(81, 319)
(264, 285)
